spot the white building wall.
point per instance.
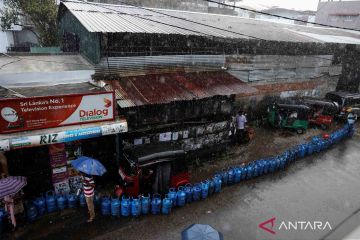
(3, 42)
(6, 37)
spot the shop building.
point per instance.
(40, 135)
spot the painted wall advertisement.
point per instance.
(58, 162)
(53, 111)
(57, 155)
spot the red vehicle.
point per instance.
(152, 169)
(322, 112)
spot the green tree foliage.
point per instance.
(41, 13)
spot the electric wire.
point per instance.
(279, 16)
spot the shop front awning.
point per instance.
(61, 134)
(180, 86)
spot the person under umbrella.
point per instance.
(201, 232)
(88, 184)
(89, 167)
(8, 187)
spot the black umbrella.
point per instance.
(201, 232)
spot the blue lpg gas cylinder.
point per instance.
(231, 176)
(50, 201)
(61, 202)
(250, 171)
(272, 165)
(72, 200)
(156, 204)
(166, 205)
(125, 206)
(266, 166)
(115, 206)
(282, 162)
(286, 156)
(261, 167)
(196, 192)
(172, 195)
(204, 189)
(243, 172)
(135, 207)
(303, 150)
(224, 177)
(311, 148)
(292, 154)
(278, 162)
(211, 186)
(297, 150)
(322, 144)
(237, 177)
(217, 175)
(180, 197)
(256, 169)
(217, 181)
(40, 205)
(31, 213)
(145, 204)
(332, 136)
(105, 206)
(188, 192)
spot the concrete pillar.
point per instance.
(350, 76)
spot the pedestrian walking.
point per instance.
(232, 132)
(89, 188)
(89, 167)
(240, 126)
(351, 118)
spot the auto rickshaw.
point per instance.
(322, 111)
(345, 100)
(289, 116)
(153, 169)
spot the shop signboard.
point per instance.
(67, 136)
(57, 155)
(59, 174)
(22, 114)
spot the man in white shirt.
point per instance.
(240, 126)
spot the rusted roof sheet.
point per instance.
(165, 88)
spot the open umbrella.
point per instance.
(89, 166)
(200, 232)
(11, 185)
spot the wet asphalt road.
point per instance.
(324, 187)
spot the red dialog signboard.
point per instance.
(21, 114)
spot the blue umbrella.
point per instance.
(200, 232)
(89, 166)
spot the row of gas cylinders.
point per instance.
(144, 205)
(51, 202)
(264, 166)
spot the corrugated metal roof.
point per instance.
(60, 89)
(165, 88)
(98, 17)
(128, 66)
